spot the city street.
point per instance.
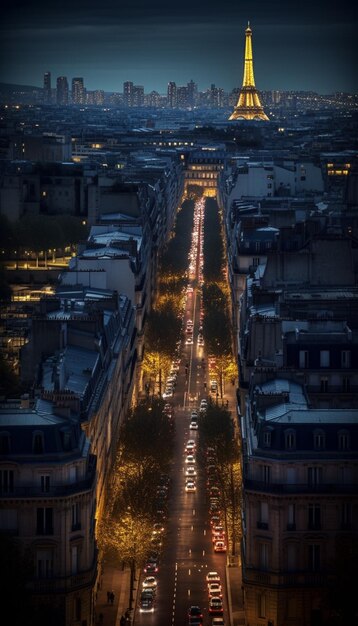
(188, 553)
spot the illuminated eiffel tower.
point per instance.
(248, 105)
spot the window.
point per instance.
(314, 557)
(324, 358)
(44, 521)
(314, 516)
(343, 440)
(74, 559)
(345, 358)
(45, 483)
(319, 440)
(291, 517)
(303, 359)
(38, 443)
(4, 443)
(78, 609)
(346, 384)
(267, 438)
(291, 556)
(76, 519)
(256, 261)
(44, 563)
(346, 515)
(6, 481)
(265, 473)
(290, 439)
(263, 516)
(261, 608)
(314, 475)
(264, 555)
(324, 385)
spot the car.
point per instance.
(189, 341)
(214, 589)
(190, 486)
(195, 611)
(193, 426)
(218, 533)
(146, 605)
(147, 593)
(213, 385)
(218, 621)
(151, 566)
(214, 492)
(157, 528)
(190, 448)
(215, 520)
(190, 459)
(195, 621)
(190, 471)
(216, 606)
(168, 392)
(194, 413)
(150, 582)
(200, 340)
(212, 577)
(219, 546)
(204, 403)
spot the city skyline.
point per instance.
(305, 49)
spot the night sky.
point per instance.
(297, 45)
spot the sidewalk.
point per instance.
(235, 596)
(115, 580)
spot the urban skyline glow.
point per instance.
(305, 48)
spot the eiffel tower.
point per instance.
(248, 105)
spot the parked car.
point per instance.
(214, 590)
(146, 605)
(212, 577)
(216, 606)
(219, 546)
(150, 582)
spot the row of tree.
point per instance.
(217, 431)
(217, 327)
(164, 323)
(144, 454)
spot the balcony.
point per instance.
(297, 488)
(66, 584)
(251, 576)
(35, 492)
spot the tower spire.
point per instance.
(248, 106)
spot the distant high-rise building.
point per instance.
(47, 96)
(62, 90)
(78, 91)
(172, 95)
(138, 96)
(192, 93)
(95, 98)
(128, 93)
(248, 106)
(182, 97)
